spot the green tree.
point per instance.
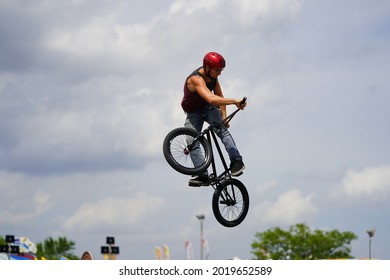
(301, 243)
(52, 249)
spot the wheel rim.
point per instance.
(181, 154)
(231, 203)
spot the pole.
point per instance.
(371, 234)
(201, 219)
(201, 239)
(369, 248)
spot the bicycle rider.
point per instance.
(203, 101)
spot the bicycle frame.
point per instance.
(210, 135)
(215, 179)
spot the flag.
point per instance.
(206, 250)
(188, 250)
(25, 245)
(157, 250)
(166, 252)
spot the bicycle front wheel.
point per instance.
(184, 154)
(230, 203)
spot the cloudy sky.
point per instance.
(90, 88)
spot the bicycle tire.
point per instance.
(230, 203)
(178, 154)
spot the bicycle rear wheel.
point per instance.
(183, 154)
(230, 203)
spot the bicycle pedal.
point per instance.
(238, 174)
(198, 185)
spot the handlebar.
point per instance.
(228, 118)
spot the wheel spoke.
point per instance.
(230, 203)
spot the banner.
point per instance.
(25, 245)
(188, 250)
(157, 251)
(166, 252)
(206, 250)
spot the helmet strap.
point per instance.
(207, 73)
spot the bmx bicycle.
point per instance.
(230, 200)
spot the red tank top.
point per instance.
(192, 101)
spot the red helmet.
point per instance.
(214, 60)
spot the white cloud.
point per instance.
(101, 118)
(103, 40)
(191, 6)
(18, 206)
(265, 187)
(289, 208)
(259, 97)
(248, 11)
(372, 183)
(114, 212)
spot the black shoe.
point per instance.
(201, 180)
(237, 167)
